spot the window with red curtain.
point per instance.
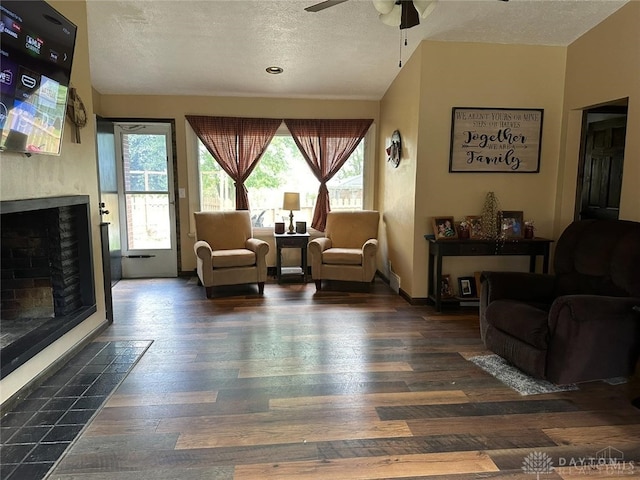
(326, 145)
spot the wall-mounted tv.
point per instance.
(36, 47)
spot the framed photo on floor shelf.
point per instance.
(446, 289)
(467, 287)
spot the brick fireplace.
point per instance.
(47, 274)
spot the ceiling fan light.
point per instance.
(384, 6)
(393, 17)
(424, 7)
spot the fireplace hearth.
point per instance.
(47, 274)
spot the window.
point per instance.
(281, 169)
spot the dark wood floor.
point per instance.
(333, 385)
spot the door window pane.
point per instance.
(145, 163)
(148, 225)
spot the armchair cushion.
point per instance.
(240, 257)
(342, 256)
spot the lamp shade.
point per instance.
(291, 201)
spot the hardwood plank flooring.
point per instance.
(299, 384)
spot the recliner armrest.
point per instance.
(592, 337)
(592, 309)
(522, 286)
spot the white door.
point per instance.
(147, 200)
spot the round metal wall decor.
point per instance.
(394, 151)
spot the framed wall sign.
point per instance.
(495, 140)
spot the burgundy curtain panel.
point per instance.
(236, 144)
(326, 145)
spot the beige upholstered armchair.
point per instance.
(226, 253)
(348, 250)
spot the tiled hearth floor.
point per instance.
(37, 431)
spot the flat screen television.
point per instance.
(36, 47)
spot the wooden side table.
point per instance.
(293, 240)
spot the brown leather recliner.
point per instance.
(226, 253)
(578, 324)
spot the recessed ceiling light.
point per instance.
(274, 70)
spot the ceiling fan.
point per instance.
(402, 13)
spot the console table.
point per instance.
(293, 240)
(471, 247)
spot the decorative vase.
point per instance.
(528, 231)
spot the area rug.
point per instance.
(522, 383)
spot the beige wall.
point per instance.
(603, 66)
(74, 172)
(400, 110)
(176, 107)
(600, 67)
(472, 75)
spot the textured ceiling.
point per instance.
(214, 47)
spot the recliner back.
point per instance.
(223, 230)
(352, 228)
(599, 257)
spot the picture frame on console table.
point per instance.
(495, 140)
(475, 226)
(444, 228)
(511, 224)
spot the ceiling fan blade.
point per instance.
(322, 5)
(410, 17)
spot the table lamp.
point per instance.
(291, 202)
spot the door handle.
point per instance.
(102, 209)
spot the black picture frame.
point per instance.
(511, 223)
(495, 140)
(467, 287)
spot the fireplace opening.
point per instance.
(47, 274)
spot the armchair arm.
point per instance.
(316, 247)
(204, 263)
(369, 264)
(522, 286)
(319, 244)
(203, 251)
(260, 248)
(592, 337)
(370, 248)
